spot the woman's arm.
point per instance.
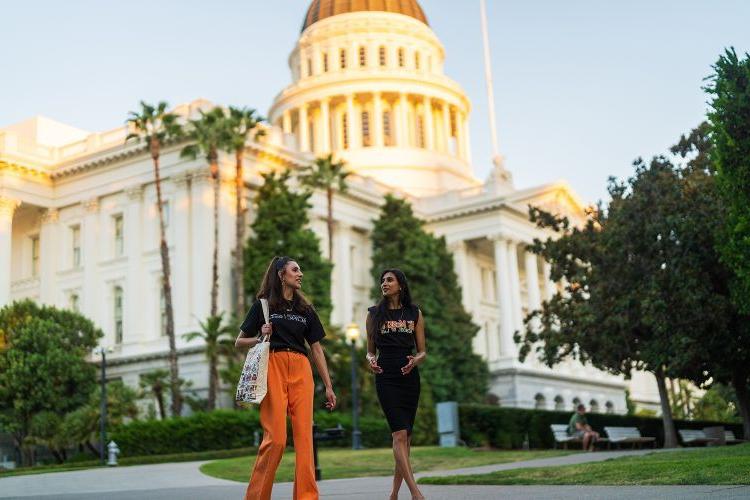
(319, 358)
(372, 358)
(419, 358)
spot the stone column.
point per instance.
(446, 128)
(403, 123)
(180, 250)
(351, 122)
(286, 121)
(201, 231)
(134, 305)
(49, 245)
(461, 262)
(7, 208)
(515, 283)
(429, 128)
(304, 130)
(92, 294)
(532, 282)
(343, 263)
(378, 119)
(504, 295)
(549, 285)
(325, 118)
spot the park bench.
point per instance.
(695, 437)
(730, 438)
(332, 434)
(562, 438)
(628, 435)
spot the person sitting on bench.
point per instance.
(580, 428)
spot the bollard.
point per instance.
(113, 452)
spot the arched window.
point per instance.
(342, 58)
(417, 60)
(381, 56)
(325, 62)
(401, 57)
(610, 407)
(576, 402)
(309, 67)
(594, 406)
(366, 129)
(362, 57)
(540, 403)
(559, 403)
(118, 314)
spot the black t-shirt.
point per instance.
(396, 330)
(290, 328)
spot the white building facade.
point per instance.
(78, 224)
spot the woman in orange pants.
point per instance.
(293, 321)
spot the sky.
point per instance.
(582, 87)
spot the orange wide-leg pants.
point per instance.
(290, 392)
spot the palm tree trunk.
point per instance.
(160, 402)
(239, 261)
(215, 265)
(329, 193)
(167, 287)
(670, 435)
(740, 382)
(213, 381)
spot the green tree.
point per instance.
(154, 126)
(218, 338)
(154, 384)
(718, 404)
(730, 133)
(243, 125)
(208, 134)
(399, 240)
(326, 174)
(281, 228)
(42, 369)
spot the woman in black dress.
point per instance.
(395, 326)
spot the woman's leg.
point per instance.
(397, 477)
(273, 421)
(401, 454)
(301, 388)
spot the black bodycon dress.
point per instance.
(398, 394)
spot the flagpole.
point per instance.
(496, 158)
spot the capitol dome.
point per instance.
(321, 9)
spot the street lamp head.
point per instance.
(352, 332)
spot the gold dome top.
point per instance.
(321, 9)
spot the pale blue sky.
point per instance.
(582, 86)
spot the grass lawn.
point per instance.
(719, 465)
(338, 463)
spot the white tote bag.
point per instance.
(253, 386)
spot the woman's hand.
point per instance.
(331, 399)
(372, 363)
(266, 329)
(413, 361)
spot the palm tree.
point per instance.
(208, 136)
(154, 384)
(243, 125)
(154, 126)
(326, 174)
(218, 339)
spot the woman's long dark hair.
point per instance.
(404, 296)
(272, 289)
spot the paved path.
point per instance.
(184, 481)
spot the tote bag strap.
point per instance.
(266, 315)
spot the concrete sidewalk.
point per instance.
(185, 481)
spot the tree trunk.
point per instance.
(174, 373)
(670, 435)
(213, 381)
(740, 382)
(160, 402)
(93, 449)
(239, 261)
(215, 263)
(329, 194)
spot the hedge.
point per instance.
(485, 425)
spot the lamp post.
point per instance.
(352, 334)
(103, 417)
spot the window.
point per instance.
(610, 407)
(576, 402)
(309, 67)
(539, 402)
(325, 62)
(362, 57)
(162, 309)
(401, 57)
(35, 256)
(387, 129)
(594, 406)
(119, 235)
(420, 131)
(381, 56)
(342, 58)
(365, 129)
(416, 60)
(345, 130)
(75, 237)
(559, 403)
(118, 314)
(74, 302)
